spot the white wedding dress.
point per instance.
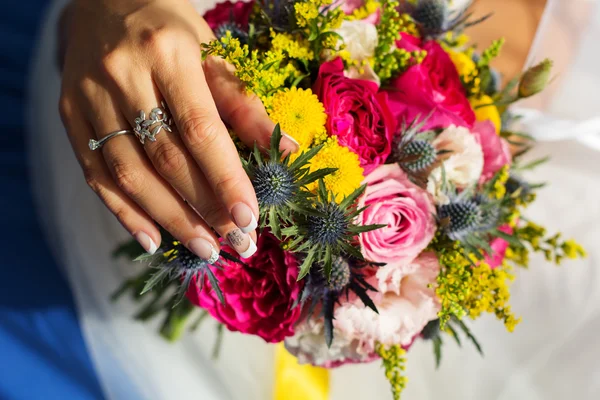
(553, 354)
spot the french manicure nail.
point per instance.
(244, 217)
(146, 242)
(289, 142)
(241, 243)
(203, 249)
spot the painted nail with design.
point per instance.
(242, 243)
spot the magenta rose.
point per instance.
(406, 210)
(498, 247)
(228, 11)
(431, 86)
(496, 150)
(356, 113)
(259, 297)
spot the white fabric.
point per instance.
(553, 354)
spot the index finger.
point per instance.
(182, 82)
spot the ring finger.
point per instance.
(135, 176)
(177, 166)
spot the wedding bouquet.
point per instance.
(402, 213)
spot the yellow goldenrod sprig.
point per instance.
(393, 360)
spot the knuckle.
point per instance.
(227, 184)
(214, 214)
(113, 63)
(160, 40)
(66, 108)
(199, 128)
(128, 178)
(169, 159)
(175, 224)
(91, 177)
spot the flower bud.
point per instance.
(535, 79)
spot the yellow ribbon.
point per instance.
(298, 382)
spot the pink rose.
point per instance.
(496, 151)
(499, 247)
(407, 210)
(259, 297)
(356, 113)
(349, 6)
(228, 11)
(431, 86)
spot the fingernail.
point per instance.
(146, 242)
(244, 217)
(241, 243)
(203, 249)
(289, 142)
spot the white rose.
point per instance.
(462, 166)
(360, 39)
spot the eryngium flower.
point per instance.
(419, 155)
(324, 230)
(345, 277)
(174, 262)
(236, 30)
(434, 17)
(280, 185)
(461, 218)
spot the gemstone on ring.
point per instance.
(158, 119)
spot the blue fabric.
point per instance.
(42, 352)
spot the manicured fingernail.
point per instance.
(203, 249)
(244, 217)
(241, 243)
(146, 242)
(289, 142)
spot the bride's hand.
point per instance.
(123, 56)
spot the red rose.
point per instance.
(431, 86)
(227, 11)
(356, 113)
(259, 297)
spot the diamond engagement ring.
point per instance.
(96, 144)
(158, 119)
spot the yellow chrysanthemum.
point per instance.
(349, 174)
(463, 63)
(487, 113)
(299, 113)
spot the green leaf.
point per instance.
(454, 334)
(274, 152)
(218, 342)
(290, 231)
(351, 198)
(512, 240)
(352, 251)
(214, 283)
(201, 318)
(365, 228)
(274, 223)
(319, 174)
(304, 157)
(306, 265)
(327, 263)
(437, 350)
(155, 279)
(534, 163)
(467, 332)
(304, 210)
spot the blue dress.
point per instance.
(42, 352)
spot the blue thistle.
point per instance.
(175, 263)
(280, 185)
(461, 218)
(345, 277)
(324, 230)
(278, 14)
(328, 226)
(418, 155)
(434, 17)
(235, 29)
(274, 184)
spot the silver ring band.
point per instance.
(96, 144)
(158, 119)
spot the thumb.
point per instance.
(243, 112)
